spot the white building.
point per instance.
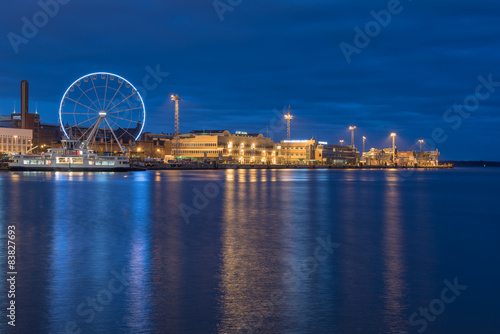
(15, 140)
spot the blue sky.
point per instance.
(406, 74)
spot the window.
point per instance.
(60, 160)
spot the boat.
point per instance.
(71, 157)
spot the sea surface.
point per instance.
(253, 251)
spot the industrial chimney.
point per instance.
(24, 102)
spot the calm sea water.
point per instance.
(262, 251)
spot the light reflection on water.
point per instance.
(394, 271)
(243, 262)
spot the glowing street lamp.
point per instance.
(364, 139)
(352, 135)
(393, 135)
(421, 141)
(341, 142)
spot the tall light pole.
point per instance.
(421, 141)
(364, 139)
(341, 142)
(352, 135)
(176, 98)
(288, 118)
(393, 135)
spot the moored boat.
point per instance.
(70, 158)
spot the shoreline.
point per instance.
(137, 168)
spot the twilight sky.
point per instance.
(410, 72)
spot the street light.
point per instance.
(421, 141)
(393, 135)
(352, 135)
(15, 142)
(364, 139)
(341, 142)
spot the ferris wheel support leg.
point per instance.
(90, 128)
(114, 135)
(93, 133)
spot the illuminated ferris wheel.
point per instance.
(102, 109)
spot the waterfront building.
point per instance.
(327, 154)
(312, 152)
(31, 122)
(50, 136)
(152, 145)
(224, 146)
(14, 141)
(378, 157)
(421, 158)
(295, 152)
(389, 157)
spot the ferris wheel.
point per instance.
(102, 109)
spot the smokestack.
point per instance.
(24, 102)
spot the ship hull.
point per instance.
(68, 169)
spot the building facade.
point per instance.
(224, 146)
(390, 157)
(15, 141)
(297, 152)
(336, 154)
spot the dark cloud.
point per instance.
(270, 54)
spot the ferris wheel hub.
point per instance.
(102, 113)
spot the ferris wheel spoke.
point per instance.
(114, 112)
(88, 120)
(86, 95)
(114, 134)
(105, 92)
(122, 128)
(96, 94)
(128, 97)
(124, 119)
(82, 104)
(76, 113)
(116, 92)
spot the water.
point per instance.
(268, 251)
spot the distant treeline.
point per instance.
(472, 163)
